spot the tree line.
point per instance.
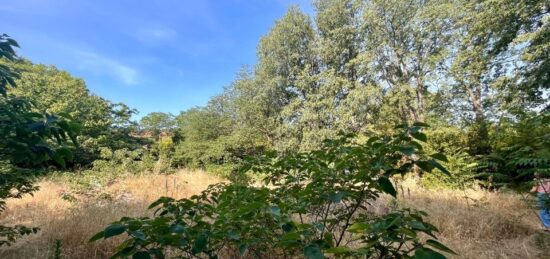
(477, 71)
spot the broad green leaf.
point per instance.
(407, 150)
(114, 230)
(424, 253)
(287, 227)
(358, 227)
(312, 251)
(440, 167)
(440, 157)
(420, 136)
(232, 234)
(200, 244)
(97, 236)
(407, 232)
(177, 228)
(337, 197)
(425, 166)
(439, 246)
(291, 236)
(139, 235)
(387, 186)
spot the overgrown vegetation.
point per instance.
(364, 66)
(311, 203)
(477, 71)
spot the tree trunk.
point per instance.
(479, 133)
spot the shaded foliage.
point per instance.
(29, 139)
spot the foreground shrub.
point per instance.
(311, 204)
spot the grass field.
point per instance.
(475, 223)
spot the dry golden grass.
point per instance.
(482, 224)
(75, 222)
(486, 225)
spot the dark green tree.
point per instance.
(30, 139)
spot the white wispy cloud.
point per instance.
(99, 64)
(156, 34)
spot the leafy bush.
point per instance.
(522, 154)
(451, 141)
(111, 166)
(311, 204)
(463, 173)
(124, 161)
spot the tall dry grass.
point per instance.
(480, 223)
(73, 223)
(483, 225)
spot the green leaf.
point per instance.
(59, 160)
(407, 150)
(312, 251)
(339, 250)
(114, 230)
(160, 201)
(358, 227)
(440, 157)
(418, 225)
(425, 166)
(407, 232)
(139, 235)
(420, 136)
(439, 246)
(387, 186)
(440, 167)
(200, 244)
(337, 197)
(177, 228)
(424, 253)
(290, 237)
(97, 236)
(287, 227)
(141, 255)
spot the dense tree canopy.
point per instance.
(157, 122)
(102, 123)
(364, 66)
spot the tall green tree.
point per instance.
(483, 67)
(286, 66)
(157, 122)
(29, 140)
(407, 44)
(350, 96)
(103, 123)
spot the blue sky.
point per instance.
(166, 55)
